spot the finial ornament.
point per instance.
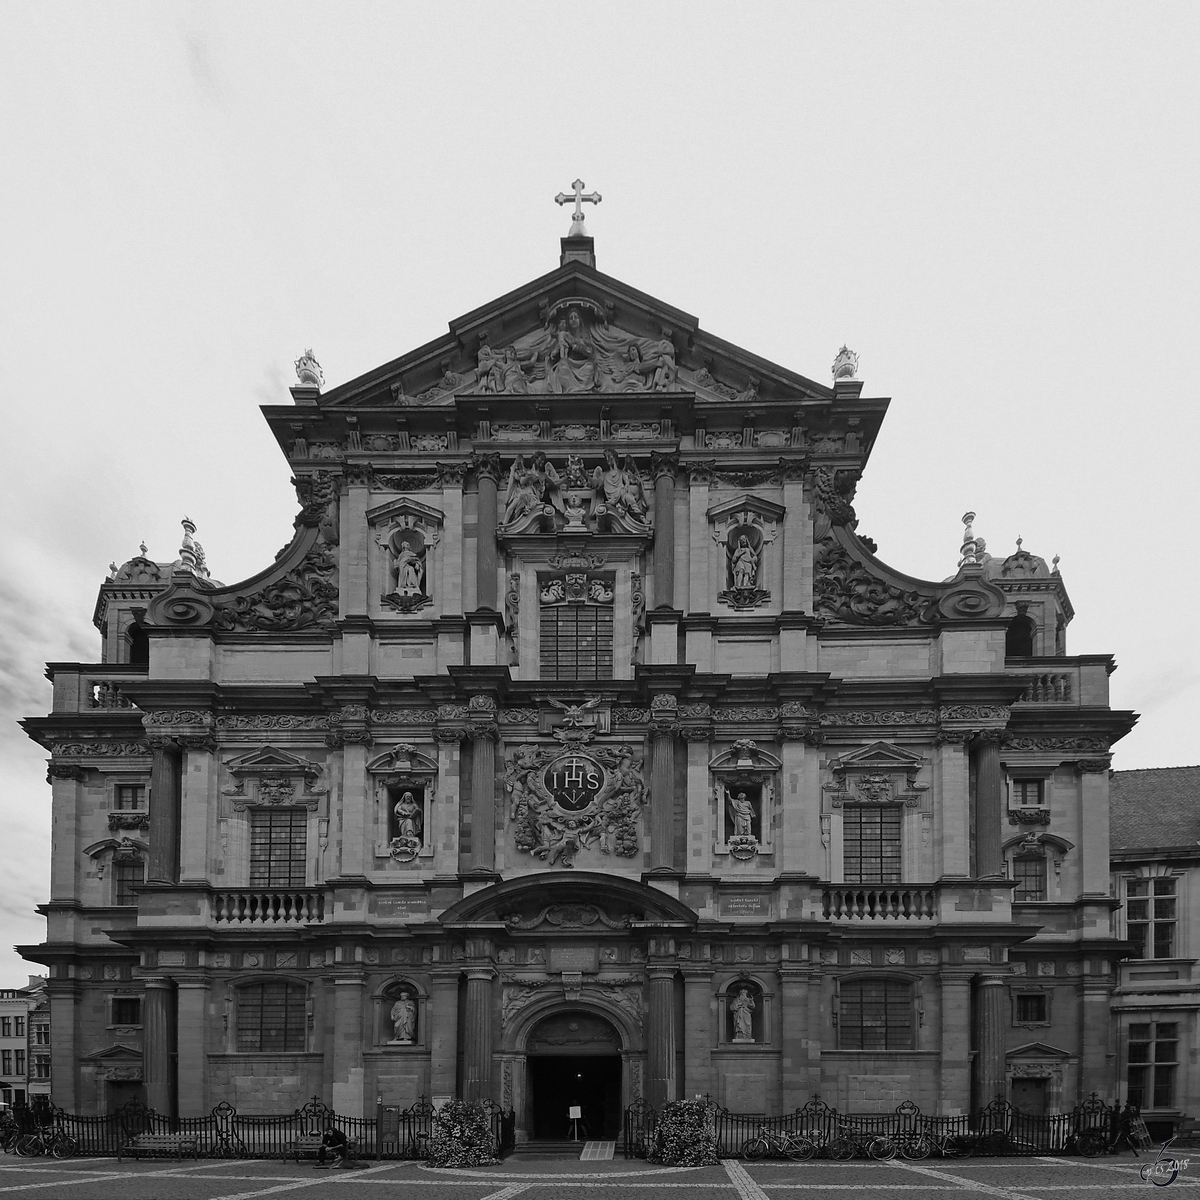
(969, 547)
(1020, 540)
(845, 366)
(142, 547)
(577, 194)
(191, 553)
(309, 372)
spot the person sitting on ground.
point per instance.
(335, 1142)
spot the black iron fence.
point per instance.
(393, 1133)
(999, 1129)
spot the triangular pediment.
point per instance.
(118, 1051)
(270, 761)
(1038, 1050)
(879, 756)
(574, 330)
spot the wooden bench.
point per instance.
(161, 1143)
(309, 1144)
(1188, 1130)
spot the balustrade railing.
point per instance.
(103, 693)
(1049, 688)
(251, 907)
(901, 903)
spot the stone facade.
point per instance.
(578, 724)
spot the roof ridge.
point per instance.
(1136, 770)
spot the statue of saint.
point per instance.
(744, 565)
(548, 483)
(408, 817)
(741, 1007)
(512, 375)
(741, 813)
(619, 487)
(404, 1020)
(409, 569)
(571, 356)
(524, 491)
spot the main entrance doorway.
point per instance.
(574, 1061)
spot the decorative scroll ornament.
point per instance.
(844, 590)
(305, 598)
(566, 799)
(570, 916)
(877, 774)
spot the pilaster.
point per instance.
(165, 771)
(443, 1034)
(487, 563)
(795, 1067)
(663, 468)
(663, 729)
(954, 1094)
(989, 859)
(699, 1035)
(197, 809)
(192, 1001)
(349, 986)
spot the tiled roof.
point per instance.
(1155, 807)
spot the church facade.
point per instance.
(578, 749)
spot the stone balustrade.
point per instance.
(851, 902)
(266, 907)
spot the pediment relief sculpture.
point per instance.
(609, 497)
(269, 777)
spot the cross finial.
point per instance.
(580, 197)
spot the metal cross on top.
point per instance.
(580, 198)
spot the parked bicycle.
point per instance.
(47, 1141)
(779, 1144)
(921, 1143)
(849, 1143)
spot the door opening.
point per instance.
(1029, 1095)
(591, 1082)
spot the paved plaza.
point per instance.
(542, 1179)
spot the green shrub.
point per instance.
(684, 1136)
(461, 1136)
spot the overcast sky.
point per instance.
(993, 204)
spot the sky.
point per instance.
(992, 204)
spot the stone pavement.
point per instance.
(553, 1179)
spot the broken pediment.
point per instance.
(404, 759)
(877, 774)
(273, 777)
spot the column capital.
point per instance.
(157, 982)
(486, 466)
(661, 971)
(487, 974)
(664, 466)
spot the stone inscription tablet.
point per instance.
(572, 958)
(400, 907)
(745, 906)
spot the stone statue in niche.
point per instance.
(619, 493)
(741, 1009)
(741, 813)
(407, 550)
(409, 824)
(743, 821)
(404, 1021)
(743, 567)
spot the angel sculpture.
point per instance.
(524, 491)
(618, 486)
(575, 714)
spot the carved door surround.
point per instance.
(403, 768)
(1038, 1060)
(745, 560)
(744, 769)
(405, 571)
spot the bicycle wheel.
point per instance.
(882, 1149)
(953, 1148)
(800, 1149)
(65, 1146)
(1091, 1143)
(916, 1147)
(29, 1145)
(842, 1149)
(754, 1149)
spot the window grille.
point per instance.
(1032, 1008)
(1150, 917)
(278, 847)
(128, 873)
(577, 642)
(871, 843)
(127, 1010)
(1153, 1061)
(1029, 870)
(270, 1018)
(876, 1014)
(130, 797)
(1028, 792)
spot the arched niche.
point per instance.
(384, 1002)
(404, 780)
(758, 1006)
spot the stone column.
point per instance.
(663, 710)
(477, 1027)
(348, 1041)
(158, 1045)
(165, 771)
(192, 1003)
(482, 727)
(1094, 1032)
(65, 1048)
(442, 1014)
(954, 1094)
(989, 806)
(794, 1067)
(990, 1003)
(663, 468)
(699, 1036)
(660, 1034)
(487, 472)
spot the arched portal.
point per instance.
(573, 1060)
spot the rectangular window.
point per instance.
(127, 1010)
(41, 1035)
(1027, 792)
(1150, 917)
(875, 1015)
(19, 1056)
(577, 642)
(1032, 1008)
(270, 1018)
(130, 797)
(128, 873)
(871, 843)
(1153, 1060)
(41, 1066)
(18, 1026)
(278, 847)
(1029, 870)
(6, 1062)
(6, 1027)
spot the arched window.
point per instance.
(1018, 641)
(139, 646)
(876, 1014)
(270, 1018)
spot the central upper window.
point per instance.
(576, 627)
(871, 843)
